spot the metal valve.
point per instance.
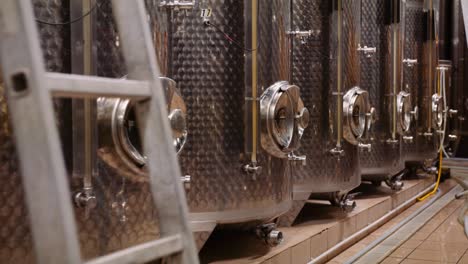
(428, 134)
(368, 51)
(415, 113)
(367, 147)
(410, 62)
(392, 141)
(186, 181)
(452, 137)
(452, 112)
(253, 169)
(269, 234)
(408, 139)
(302, 35)
(337, 152)
(302, 159)
(176, 4)
(86, 199)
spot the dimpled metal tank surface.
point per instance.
(213, 74)
(328, 76)
(15, 239)
(418, 150)
(233, 150)
(382, 29)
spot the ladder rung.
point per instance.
(81, 86)
(143, 253)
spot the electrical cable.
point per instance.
(229, 38)
(71, 21)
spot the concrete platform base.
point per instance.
(318, 228)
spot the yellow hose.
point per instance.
(440, 160)
(438, 180)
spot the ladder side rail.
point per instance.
(140, 59)
(42, 165)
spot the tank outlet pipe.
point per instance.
(269, 234)
(349, 241)
(251, 69)
(338, 17)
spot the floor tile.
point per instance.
(401, 252)
(441, 256)
(391, 260)
(416, 261)
(412, 243)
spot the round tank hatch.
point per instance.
(404, 111)
(437, 111)
(356, 115)
(117, 117)
(283, 119)
(277, 119)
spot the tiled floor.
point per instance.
(319, 227)
(441, 240)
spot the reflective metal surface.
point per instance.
(120, 145)
(16, 241)
(315, 59)
(379, 76)
(210, 72)
(413, 76)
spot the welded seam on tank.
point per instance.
(402, 233)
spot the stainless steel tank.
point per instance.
(430, 105)
(16, 245)
(326, 67)
(420, 149)
(241, 119)
(383, 31)
(457, 96)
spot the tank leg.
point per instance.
(269, 234)
(344, 201)
(395, 182)
(376, 183)
(395, 185)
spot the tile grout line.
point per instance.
(425, 240)
(381, 251)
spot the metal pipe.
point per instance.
(394, 67)
(335, 250)
(339, 106)
(84, 110)
(254, 82)
(430, 61)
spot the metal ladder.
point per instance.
(48, 197)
